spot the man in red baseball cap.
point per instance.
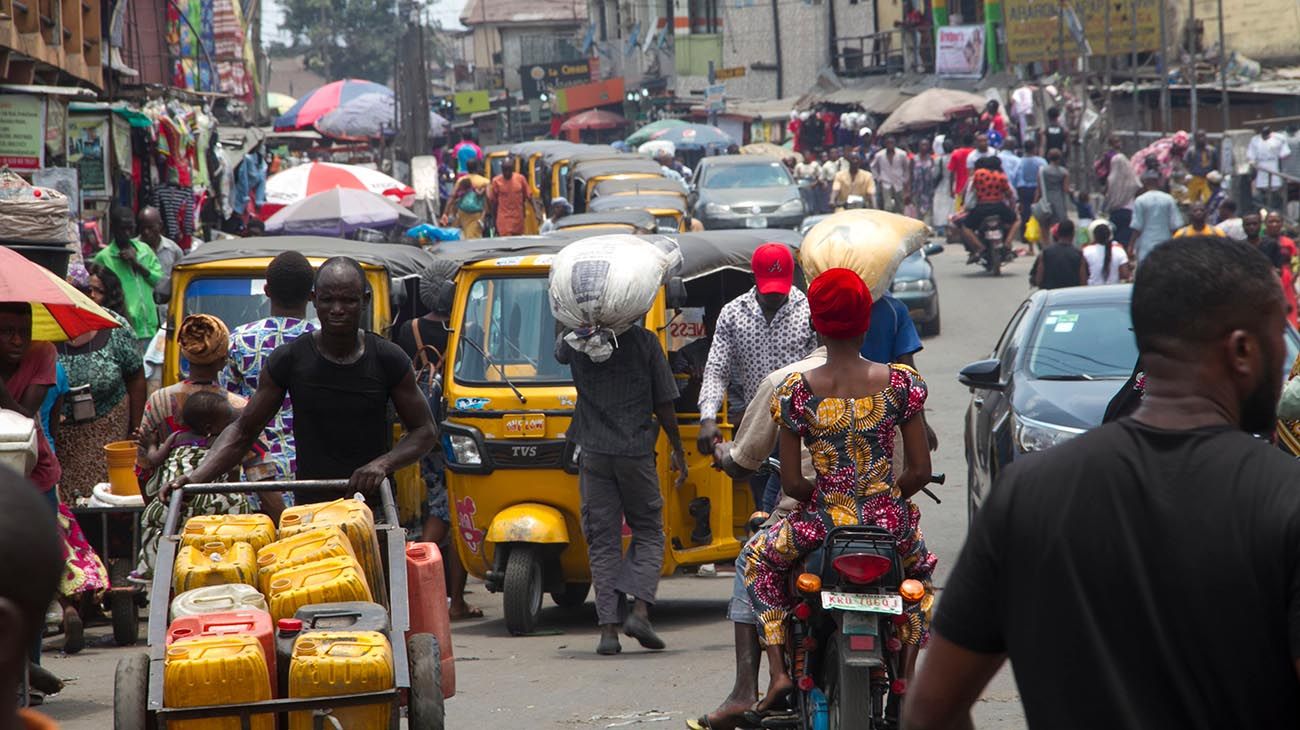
(762, 330)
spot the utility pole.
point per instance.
(1060, 44)
(1166, 120)
(1223, 82)
(1133, 75)
(1110, 112)
(1191, 22)
(713, 79)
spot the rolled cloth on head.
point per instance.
(204, 339)
(840, 304)
(870, 242)
(436, 285)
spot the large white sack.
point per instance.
(601, 286)
(871, 242)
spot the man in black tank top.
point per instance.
(1061, 264)
(1055, 136)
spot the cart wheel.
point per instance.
(425, 710)
(523, 589)
(131, 693)
(573, 597)
(126, 617)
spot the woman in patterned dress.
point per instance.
(845, 412)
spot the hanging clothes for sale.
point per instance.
(176, 146)
(176, 204)
(250, 182)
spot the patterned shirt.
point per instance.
(250, 345)
(746, 347)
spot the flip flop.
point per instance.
(472, 613)
(700, 723)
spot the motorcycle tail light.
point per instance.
(805, 683)
(912, 590)
(803, 611)
(861, 568)
(898, 686)
(808, 583)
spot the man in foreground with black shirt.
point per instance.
(1145, 574)
(341, 379)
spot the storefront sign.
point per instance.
(589, 96)
(88, 152)
(729, 73)
(715, 97)
(538, 77)
(960, 51)
(471, 102)
(22, 131)
(1033, 29)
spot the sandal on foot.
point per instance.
(74, 635)
(471, 612)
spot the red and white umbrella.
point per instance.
(296, 183)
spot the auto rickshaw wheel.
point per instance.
(523, 589)
(131, 693)
(123, 605)
(572, 597)
(425, 710)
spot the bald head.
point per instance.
(340, 294)
(149, 224)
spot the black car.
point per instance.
(1062, 357)
(914, 284)
(746, 191)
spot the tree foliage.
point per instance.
(344, 38)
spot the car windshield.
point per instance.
(759, 175)
(1083, 342)
(235, 300)
(509, 319)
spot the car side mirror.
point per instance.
(933, 249)
(675, 293)
(984, 374)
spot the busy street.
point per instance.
(552, 680)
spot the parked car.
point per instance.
(746, 191)
(1061, 358)
(914, 282)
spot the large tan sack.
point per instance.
(870, 242)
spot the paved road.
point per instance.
(557, 681)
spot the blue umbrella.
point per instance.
(368, 116)
(697, 136)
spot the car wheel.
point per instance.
(931, 328)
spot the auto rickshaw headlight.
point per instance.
(462, 449)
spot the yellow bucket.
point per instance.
(120, 456)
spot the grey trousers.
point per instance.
(614, 489)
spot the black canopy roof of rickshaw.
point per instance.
(640, 218)
(625, 165)
(703, 253)
(652, 185)
(575, 152)
(399, 259)
(543, 147)
(637, 202)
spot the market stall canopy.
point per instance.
(322, 101)
(59, 311)
(594, 119)
(643, 135)
(296, 183)
(931, 108)
(872, 99)
(368, 116)
(279, 103)
(694, 136)
(338, 212)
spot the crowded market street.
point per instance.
(555, 681)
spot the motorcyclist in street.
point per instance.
(992, 195)
(853, 182)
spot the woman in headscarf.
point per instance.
(204, 343)
(845, 412)
(1122, 188)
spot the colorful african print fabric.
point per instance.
(250, 346)
(851, 441)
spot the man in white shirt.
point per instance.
(834, 164)
(808, 174)
(893, 171)
(981, 151)
(1265, 153)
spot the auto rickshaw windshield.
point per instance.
(237, 300)
(508, 333)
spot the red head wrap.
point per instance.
(840, 304)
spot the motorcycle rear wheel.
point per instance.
(854, 709)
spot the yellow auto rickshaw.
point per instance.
(494, 156)
(225, 278)
(561, 162)
(614, 221)
(584, 174)
(511, 471)
(669, 210)
(639, 186)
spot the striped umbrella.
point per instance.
(324, 100)
(59, 311)
(296, 183)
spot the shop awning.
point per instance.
(48, 90)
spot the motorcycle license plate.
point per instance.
(867, 602)
(757, 221)
(994, 235)
(525, 425)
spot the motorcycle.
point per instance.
(995, 250)
(844, 652)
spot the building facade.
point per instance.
(510, 34)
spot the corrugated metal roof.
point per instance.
(481, 12)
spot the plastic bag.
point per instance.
(1288, 408)
(1033, 232)
(871, 242)
(601, 286)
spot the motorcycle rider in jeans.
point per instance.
(993, 196)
